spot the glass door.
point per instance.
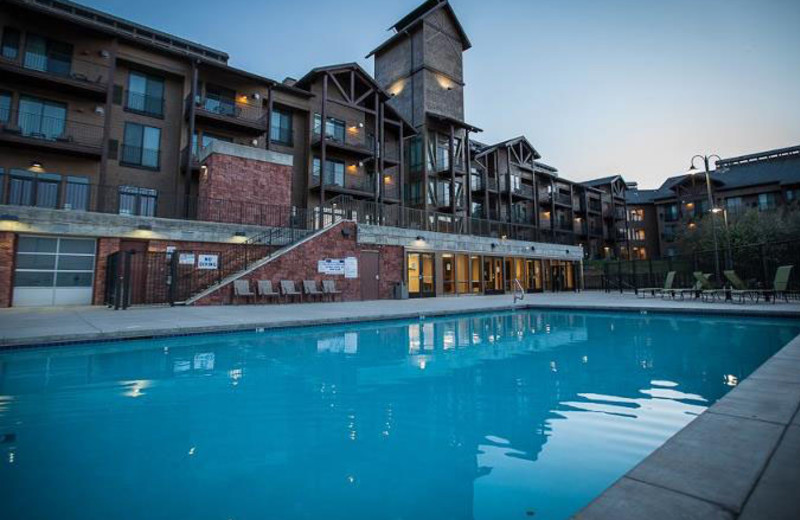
(420, 275)
(448, 274)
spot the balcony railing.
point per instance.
(362, 183)
(523, 190)
(231, 110)
(76, 71)
(139, 156)
(352, 139)
(50, 131)
(144, 104)
(563, 198)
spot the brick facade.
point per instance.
(7, 240)
(105, 247)
(301, 264)
(255, 185)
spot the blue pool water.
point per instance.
(526, 415)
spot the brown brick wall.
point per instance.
(301, 264)
(255, 185)
(105, 247)
(7, 241)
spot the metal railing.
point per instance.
(78, 70)
(144, 104)
(754, 264)
(139, 156)
(50, 129)
(251, 113)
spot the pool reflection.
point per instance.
(494, 416)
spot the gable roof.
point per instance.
(416, 17)
(510, 142)
(603, 180)
(308, 78)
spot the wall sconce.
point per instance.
(254, 142)
(99, 110)
(36, 166)
(361, 125)
(449, 88)
(360, 164)
(533, 248)
(204, 171)
(503, 237)
(566, 251)
(494, 245)
(256, 95)
(420, 238)
(387, 179)
(144, 227)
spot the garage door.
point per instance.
(53, 271)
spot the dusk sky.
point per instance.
(599, 87)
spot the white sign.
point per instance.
(186, 259)
(170, 250)
(333, 266)
(207, 261)
(351, 267)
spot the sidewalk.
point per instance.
(26, 326)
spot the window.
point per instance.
(141, 146)
(5, 107)
(42, 119)
(145, 94)
(766, 201)
(137, 201)
(792, 195)
(638, 234)
(281, 127)
(9, 48)
(76, 193)
(48, 55)
(220, 100)
(334, 128)
(671, 213)
(334, 171)
(414, 193)
(636, 215)
(207, 139)
(20, 188)
(47, 185)
(415, 153)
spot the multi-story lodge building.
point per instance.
(103, 116)
(763, 181)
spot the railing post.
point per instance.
(619, 275)
(173, 278)
(126, 279)
(764, 266)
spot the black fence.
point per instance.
(754, 264)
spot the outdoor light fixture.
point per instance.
(449, 88)
(144, 227)
(361, 125)
(36, 166)
(420, 238)
(503, 237)
(360, 164)
(256, 95)
(494, 245)
(533, 248)
(204, 170)
(716, 210)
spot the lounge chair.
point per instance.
(701, 281)
(288, 289)
(265, 289)
(329, 288)
(310, 289)
(668, 281)
(738, 287)
(241, 288)
(780, 285)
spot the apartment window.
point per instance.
(638, 234)
(47, 185)
(734, 204)
(41, 118)
(47, 55)
(636, 215)
(671, 212)
(766, 201)
(5, 107)
(20, 188)
(9, 47)
(145, 94)
(220, 100)
(792, 195)
(76, 193)
(281, 127)
(334, 128)
(137, 201)
(334, 171)
(414, 193)
(141, 146)
(415, 154)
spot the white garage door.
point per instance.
(53, 271)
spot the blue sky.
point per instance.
(599, 86)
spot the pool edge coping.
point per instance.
(130, 335)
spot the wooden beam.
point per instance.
(323, 140)
(338, 86)
(112, 69)
(270, 108)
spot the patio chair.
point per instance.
(289, 290)
(701, 280)
(668, 281)
(738, 287)
(329, 288)
(265, 289)
(310, 289)
(780, 285)
(241, 289)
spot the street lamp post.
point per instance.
(706, 162)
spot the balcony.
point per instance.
(347, 183)
(67, 74)
(563, 199)
(230, 114)
(595, 206)
(353, 142)
(51, 133)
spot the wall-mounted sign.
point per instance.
(170, 250)
(331, 266)
(186, 259)
(351, 267)
(207, 261)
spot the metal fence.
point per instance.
(754, 264)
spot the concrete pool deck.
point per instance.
(38, 326)
(736, 460)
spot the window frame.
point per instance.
(4, 43)
(124, 160)
(283, 116)
(149, 80)
(141, 198)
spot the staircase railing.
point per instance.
(519, 292)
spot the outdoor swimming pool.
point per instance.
(508, 415)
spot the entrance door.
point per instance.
(420, 275)
(138, 276)
(370, 275)
(557, 276)
(493, 275)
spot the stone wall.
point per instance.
(300, 264)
